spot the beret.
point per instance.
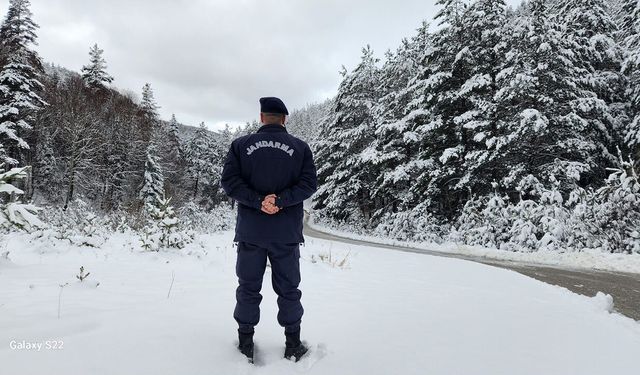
(273, 105)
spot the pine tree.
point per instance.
(587, 126)
(174, 134)
(173, 158)
(148, 102)
(484, 57)
(45, 169)
(175, 152)
(124, 158)
(395, 144)
(305, 123)
(631, 68)
(163, 229)
(19, 84)
(95, 73)
(344, 151)
(451, 13)
(608, 217)
(204, 160)
(150, 119)
(430, 115)
(18, 32)
(226, 136)
(628, 16)
(538, 96)
(152, 189)
(590, 28)
(617, 207)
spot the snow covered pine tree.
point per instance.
(95, 73)
(19, 85)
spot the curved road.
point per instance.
(623, 287)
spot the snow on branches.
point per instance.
(13, 213)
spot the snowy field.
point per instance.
(368, 311)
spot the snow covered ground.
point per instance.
(368, 311)
(587, 259)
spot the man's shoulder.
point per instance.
(241, 140)
(297, 140)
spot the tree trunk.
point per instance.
(195, 188)
(72, 181)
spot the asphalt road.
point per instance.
(623, 287)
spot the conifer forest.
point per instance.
(513, 128)
(455, 190)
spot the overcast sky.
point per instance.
(210, 60)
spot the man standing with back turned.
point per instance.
(269, 173)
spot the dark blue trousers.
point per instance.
(285, 277)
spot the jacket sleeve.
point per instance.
(234, 184)
(306, 186)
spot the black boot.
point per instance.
(294, 348)
(245, 345)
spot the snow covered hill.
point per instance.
(368, 311)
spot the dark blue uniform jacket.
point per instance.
(270, 161)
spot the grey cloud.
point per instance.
(211, 60)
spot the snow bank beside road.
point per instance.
(587, 259)
(378, 312)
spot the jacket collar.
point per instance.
(272, 128)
